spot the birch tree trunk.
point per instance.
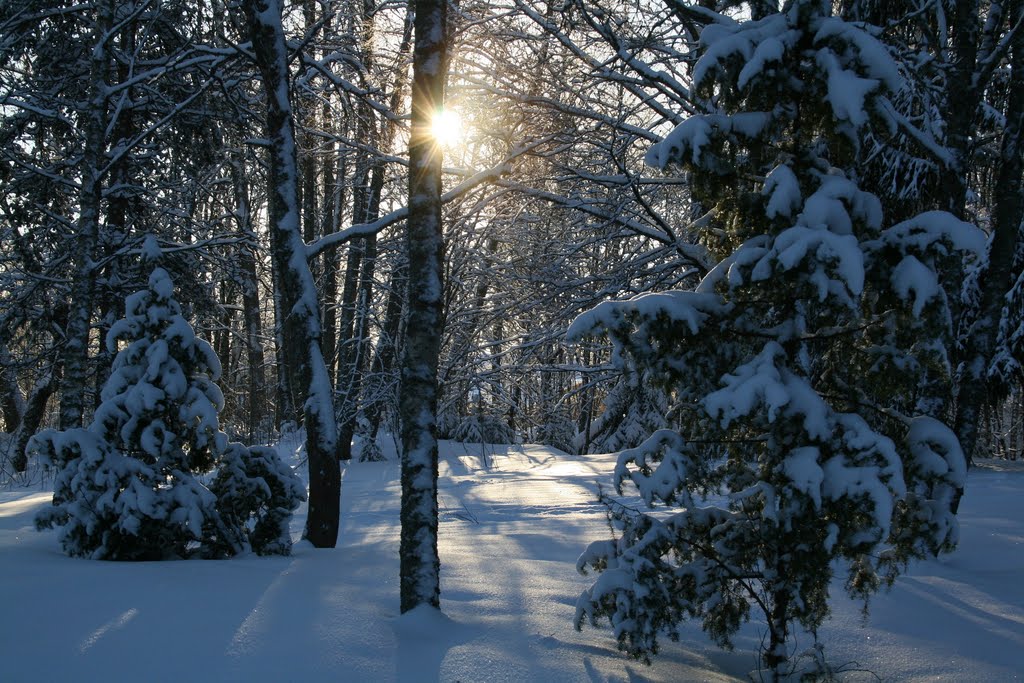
(301, 331)
(420, 566)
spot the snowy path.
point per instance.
(513, 522)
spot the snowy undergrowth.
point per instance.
(513, 519)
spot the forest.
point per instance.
(766, 254)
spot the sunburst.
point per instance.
(447, 128)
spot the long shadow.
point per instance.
(424, 637)
(513, 579)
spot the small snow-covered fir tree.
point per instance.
(809, 365)
(128, 486)
(256, 494)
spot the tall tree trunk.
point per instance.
(365, 130)
(999, 275)
(250, 303)
(358, 292)
(359, 342)
(334, 196)
(347, 347)
(387, 349)
(122, 212)
(12, 401)
(76, 342)
(420, 565)
(222, 335)
(962, 100)
(304, 363)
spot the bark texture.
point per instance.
(76, 342)
(420, 565)
(301, 330)
(999, 275)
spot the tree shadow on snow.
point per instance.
(424, 636)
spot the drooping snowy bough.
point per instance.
(131, 485)
(808, 368)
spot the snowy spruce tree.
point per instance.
(256, 494)
(129, 486)
(808, 368)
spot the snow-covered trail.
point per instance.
(510, 574)
(513, 521)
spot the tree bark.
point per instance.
(250, 303)
(347, 347)
(304, 363)
(76, 342)
(420, 565)
(12, 401)
(962, 100)
(387, 349)
(999, 276)
(35, 411)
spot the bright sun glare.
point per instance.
(447, 127)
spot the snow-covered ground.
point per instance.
(514, 519)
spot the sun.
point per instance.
(446, 128)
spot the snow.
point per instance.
(916, 282)
(802, 246)
(846, 90)
(160, 283)
(690, 135)
(872, 55)
(802, 469)
(686, 142)
(513, 521)
(762, 382)
(783, 191)
(930, 227)
(724, 41)
(769, 50)
(689, 308)
(936, 449)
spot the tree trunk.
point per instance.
(998, 277)
(76, 342)
(358, 291)
(420, 565)
(334, 196)
(776, 657)
(12, 401)
(250, 304)
(285, 409)
(347, 340)
(304, 363)
(387, 350)
(35, 411)
(347, 347)
(962, 99)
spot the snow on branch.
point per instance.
(926, 230)
(691, 309)
(687, 141)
